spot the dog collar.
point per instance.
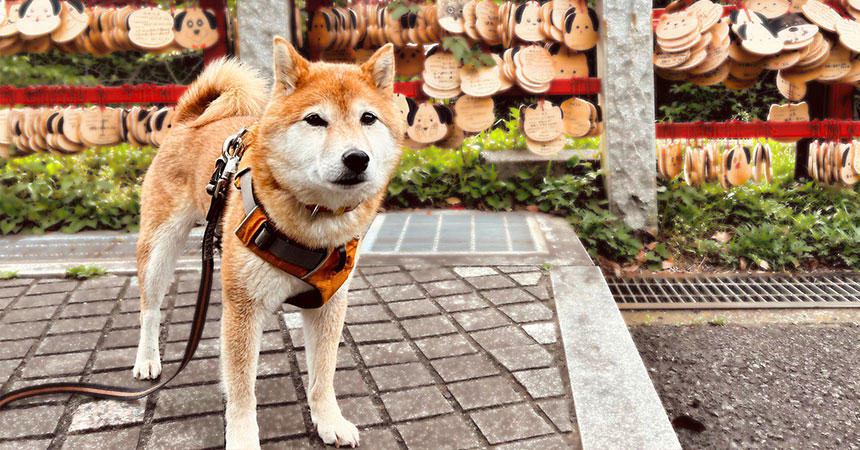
(316, 209)
(326, 269)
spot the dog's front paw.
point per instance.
(242, 434)
(335, 430)
(147, 365)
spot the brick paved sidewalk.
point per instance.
(433, 357)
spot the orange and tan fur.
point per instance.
(315, 115)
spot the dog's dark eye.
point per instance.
(368, 119)
(315, 121)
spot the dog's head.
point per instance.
(332, 132)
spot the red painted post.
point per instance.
(219, 49)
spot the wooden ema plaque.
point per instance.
(38, 18)
(429, 123)
(151, 28)
(794, 92)
(527, 21)
(73, 21)
(821, 15)
(450, 15)
(568, 63)
(442, 71)
(487, 22)
(580, 29)
(480, 82)
(576, 114)
(473, 114)
(195, 28)
(408, 60)
(100, 126)
(542, 122)
(849, 34)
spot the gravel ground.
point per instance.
(784, 386)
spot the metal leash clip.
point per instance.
(227, 164)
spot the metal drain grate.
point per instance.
(737, 292)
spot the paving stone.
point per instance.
(12, 291)
(480, 319)
(544, 332)
(114, 359)
(365, 297)
(483, 392)
(114, 439)
(511, 336)
(87, 309)
(271, 364)
(68, 343)
(198, 432)
(291, 444)
(464, 367)
(346, 382)
(270, 341)
(373, 270)
(541, 443)
(442, 346)
(541, 291)
(95, 295)
(559, 412)
(522, 357)
(17, 331)
(186, 314)
(275, 390)
(506, 296)
(526, 279)
(29, 314)
(103, 281)
(50, 366)
(200, 371)
(360, 411)
(390, 353)
(399, 293)
(401, 376)
(29, 444)
(413, 308)
(528, 312)
(433, 274)
(385, 331)
(428, 326)
(51, 287)
(490, 282)
(5, 302)
(509, 423)
(7, 367)
(16, 282)
(280, 421)
(294, 320)
(15, 349)
(128, 337)
(174, 351)
(381, 439)
(105, 413)
(388, 279)
(461, 302)
(515, 269)
(126, 320)
(42, 300)
(123, 377)
(447, 287)
(474, 271)
(189, 400)
(541, 383)
(22, 422)
(366, 314)
(415, 403)
(446, 432)
(131, 304)
(77, 325)
(357, 283)
(180, 331)
(344, 360)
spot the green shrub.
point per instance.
(83, 272)
(99, 189)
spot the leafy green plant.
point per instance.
(8, 274)
(83, 272)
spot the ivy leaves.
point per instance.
(469, 56)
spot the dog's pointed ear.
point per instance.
(290, 66)
(380, 68)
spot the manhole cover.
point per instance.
(453, 232)
(841, 290)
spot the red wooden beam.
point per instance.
(823, 129)
(100, 95)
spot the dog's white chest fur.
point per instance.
(266, 283)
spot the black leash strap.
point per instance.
(225, 168)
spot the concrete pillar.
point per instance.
(625, 66)
(259, 22)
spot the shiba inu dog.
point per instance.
(325, 139)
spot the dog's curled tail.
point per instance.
(226, 88)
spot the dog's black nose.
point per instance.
(356, 160)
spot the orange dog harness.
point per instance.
(324, 269)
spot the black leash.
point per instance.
(218, 188)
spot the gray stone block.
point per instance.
(616, 404)
(259, 22)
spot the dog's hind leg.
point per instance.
(322, 329)
(162, 237)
